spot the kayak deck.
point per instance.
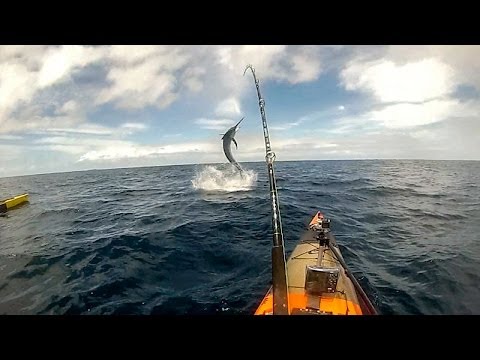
(15, 201)
(318, 284)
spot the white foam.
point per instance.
(224, 178)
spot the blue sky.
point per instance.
(65, 108)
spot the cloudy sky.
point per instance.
(66, 108)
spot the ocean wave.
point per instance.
(197, 239)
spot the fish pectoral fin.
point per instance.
(236, 145)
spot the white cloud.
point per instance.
(346, 125)
(59, 62)
(412, 82)
(94, 129)
(89, 129)
(192, 78)
(228, 108)
(78, 145)
(139, 86)
(293, 64)
(214, 124)
(391, 72)
(462, 59)
(131, 54)
(424, 134)
(69, 149)
(10, 159)
(38, 123)
(235, 58)
(17, 84)
(305, 65)
(86, 138)
(285, 126)
(322, 145)
(410, 115)
(148, 75)
(136, 77)
(129, 150)
(404, 116)
(313, 119)
(415, 86)
(68, 107)
(134, 126)
(66, 94)
(10, 137)
(74, 140)
(25, 72)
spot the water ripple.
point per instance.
(155, 241)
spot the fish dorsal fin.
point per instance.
(236, 145)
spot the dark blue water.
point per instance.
(144, 241)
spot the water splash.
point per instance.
(224, 179)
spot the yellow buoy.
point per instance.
(8, 204)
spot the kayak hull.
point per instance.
(338, 295)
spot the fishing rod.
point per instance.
(279, 270)
(363, 296)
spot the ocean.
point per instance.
(196, 239)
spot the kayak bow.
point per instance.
(319, 281)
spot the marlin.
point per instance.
(227, 138)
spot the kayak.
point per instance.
(315, 280)
(318, 280)
(8, 204)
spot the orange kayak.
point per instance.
(318, 280)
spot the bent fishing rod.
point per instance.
(279, 270)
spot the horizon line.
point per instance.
(218, 163)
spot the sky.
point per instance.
(68, 108)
